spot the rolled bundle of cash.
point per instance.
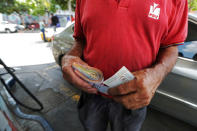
(87, 73)
(93, 76)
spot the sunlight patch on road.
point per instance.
(22, 49)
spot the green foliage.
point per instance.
(20, 7)
(10, 6)
(6, 6)
(62, 3)
(73, 4)
(192, 5)
(40, 7)
(34, 7)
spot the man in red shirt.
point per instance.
(109, 34)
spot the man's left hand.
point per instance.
(137, 93)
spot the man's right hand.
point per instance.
(70, 76)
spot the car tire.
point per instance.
(8, 31)
(195, 57)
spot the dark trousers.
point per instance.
(95, 112)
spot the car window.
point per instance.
(188, 50)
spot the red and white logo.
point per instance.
(154, 11)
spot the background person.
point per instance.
(54, 21)
(42, 29)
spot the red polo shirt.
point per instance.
(129, 32)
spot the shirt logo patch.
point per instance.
(154, 11)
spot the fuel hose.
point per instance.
(10, 71)
(22, 115)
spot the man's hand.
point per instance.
(138, 92)
(70, 75)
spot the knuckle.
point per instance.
(135, 99)
(128, 107)
(147, 102)
(126, 103)
(146, 95)
(142, 84)
(120, 90)
(133, 107)
(123, 101)
(64, 69)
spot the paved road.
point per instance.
(58, 96)
(19, 49)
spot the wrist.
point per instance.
(67, 60)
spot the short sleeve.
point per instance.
(177, 25)
(78, 31)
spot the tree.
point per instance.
(10, 6)
(34, 7)
(192, 5)
(73, 4)
(64, 4)
(20, 8)
(6, 6)
(40, 7)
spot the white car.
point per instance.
(7, 27)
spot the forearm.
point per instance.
(74, 56)
(165, 61)
(77, 49)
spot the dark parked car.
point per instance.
(177, 95)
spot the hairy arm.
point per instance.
(74, 55)
(138, 93)
(77, 49)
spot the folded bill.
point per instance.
(121, 76)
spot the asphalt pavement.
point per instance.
(35, 67)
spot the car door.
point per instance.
(176, 95)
